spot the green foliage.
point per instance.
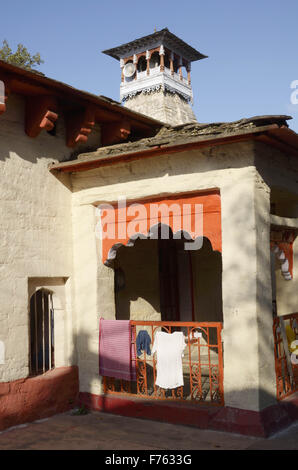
(21, 58)
(80, 411)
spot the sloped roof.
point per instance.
(33, 83)
(272, 130)
(186, 133)
(165, 37)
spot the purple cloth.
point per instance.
(116, 350)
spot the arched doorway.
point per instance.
(160, 286)
(157, 279)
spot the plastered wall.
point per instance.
(249, 378)
(280, 173)
(207, 281)
(139, 300)
(35, 231)
(286, 291)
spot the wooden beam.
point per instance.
(79, 125)
(107, 160)
(115, 133)
(284, 222)
(41, 113)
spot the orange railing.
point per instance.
(286, 373)
(202, 365)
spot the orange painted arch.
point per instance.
(198, 215)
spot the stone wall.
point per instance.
(167, 107)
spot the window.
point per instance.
(155, 60)
(41, 332)
(167, 60)
(142, 64)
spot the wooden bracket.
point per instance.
(40, 114)
(283, 239)
(79, 125)
(115, 133)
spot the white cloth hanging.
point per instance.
(169, 348)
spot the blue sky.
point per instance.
(252, 47)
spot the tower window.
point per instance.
(167, 60)
(155, 60)
(142, 64)
(176, 65)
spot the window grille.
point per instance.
(41, 332)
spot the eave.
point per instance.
(47, 99)
(282, 138)
(165, 37)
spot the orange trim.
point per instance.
(120, 224)
(284, 239)
(287, 248)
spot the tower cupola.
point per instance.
(156, 76)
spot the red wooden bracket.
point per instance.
(41, 113)
(284, 239)
(79, 125)
(115, 132)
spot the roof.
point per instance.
(165, 37)
(272, 130)
(33, 84)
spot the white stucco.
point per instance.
(36, 233)
(249, 377)
(48, 240)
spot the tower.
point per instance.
(155, 76)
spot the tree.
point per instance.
(21, 58)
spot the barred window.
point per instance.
(41, 332)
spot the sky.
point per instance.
(252, 47)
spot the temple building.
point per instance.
(136, 217)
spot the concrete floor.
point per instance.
(103, 431)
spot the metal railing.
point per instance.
(202, 365)
(286, 371)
